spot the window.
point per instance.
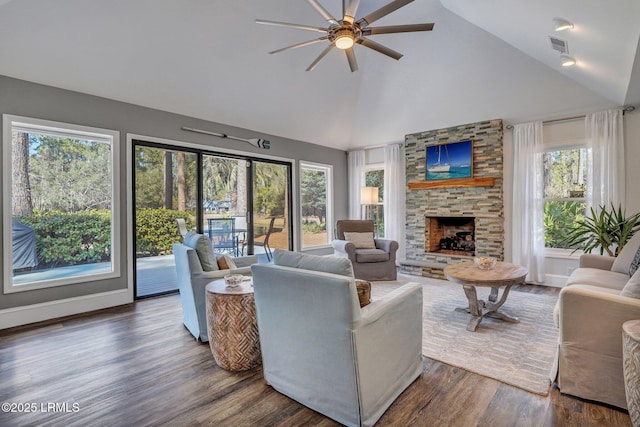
(374, 177)
(60, 210)
(315, 203)
(565, 178)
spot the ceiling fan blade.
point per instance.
(379, 48)
(322, 11)
(350, 11)
(396, 29)
(382, 12)
(294, 46)
(286, 24)
(319, 58)
(351, 57)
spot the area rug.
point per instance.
(518, 354)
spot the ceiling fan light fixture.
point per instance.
(344, 40)
(562, 24)
(567, 61)
(344, 33)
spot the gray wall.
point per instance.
(28, 99)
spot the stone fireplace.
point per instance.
(454, 210)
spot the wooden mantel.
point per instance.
(448, 183)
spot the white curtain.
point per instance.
(394, 196)
(356, 181)
(605, 138)
(528, 200)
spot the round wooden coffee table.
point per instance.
(232, 325)
(469, 276)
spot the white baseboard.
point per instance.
(555, 280)
(19, 316)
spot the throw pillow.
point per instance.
(632, 288)
(326, 264)
(364, 292)
(203, 248)
(635, 263)
(361, 240)
(225, 262)
(622, 262)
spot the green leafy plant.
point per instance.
(70, 238)
(559, 218)
(156, 230)
(609, 229)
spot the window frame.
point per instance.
(65, 130)
(328, 169)
(566, 253)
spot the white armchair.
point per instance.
(598, 298)
(324, 351)
(192, 281)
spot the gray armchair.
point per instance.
(324, 351)
(377, 262)
(192, 281)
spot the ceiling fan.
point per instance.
(345, 33)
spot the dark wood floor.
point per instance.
(137, 365)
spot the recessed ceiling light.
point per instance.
(561, 24)
(567, 61)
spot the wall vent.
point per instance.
(559, 45)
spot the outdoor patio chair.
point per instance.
(182, 227)
(265, 242)
(223, 236)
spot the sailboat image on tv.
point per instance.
(449, 161)
(440, 167)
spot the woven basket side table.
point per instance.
(631, 363)
(232, 326)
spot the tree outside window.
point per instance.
(314, 198)
(565, 178)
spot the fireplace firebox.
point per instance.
(450, 235)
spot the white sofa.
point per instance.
(324, 351)
(599, 297)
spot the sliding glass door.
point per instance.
(271, 207)
(243, 204)
(165, 190)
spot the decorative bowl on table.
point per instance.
(485, 262)
(233, 280)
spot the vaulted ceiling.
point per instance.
(209, 59)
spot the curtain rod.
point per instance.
(626, 109)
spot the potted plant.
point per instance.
(608, 229)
